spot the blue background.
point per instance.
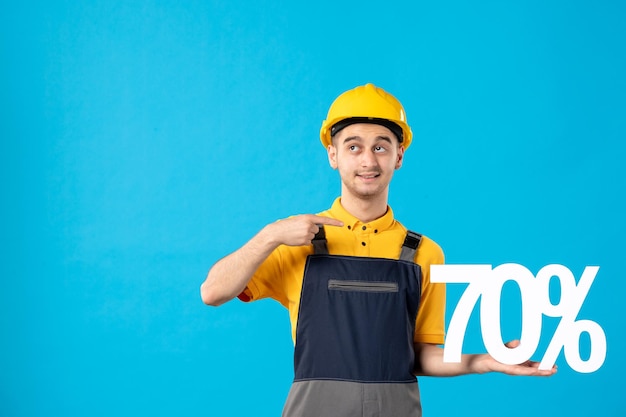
(142, 141)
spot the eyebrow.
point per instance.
(358, 139)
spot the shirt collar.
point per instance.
(382, 223)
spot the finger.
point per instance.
(512, 344)
(326, 221)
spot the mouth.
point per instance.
(368, 176)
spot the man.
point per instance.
(365, 317)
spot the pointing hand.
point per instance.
(300, 230)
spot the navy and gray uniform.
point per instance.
(354, 353)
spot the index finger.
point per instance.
(323, 220)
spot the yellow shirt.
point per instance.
(280, 275)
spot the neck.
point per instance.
(366, 210)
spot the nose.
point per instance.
(368, 158)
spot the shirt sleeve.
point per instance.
(267, 280)
(430, 323)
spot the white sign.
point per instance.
(486, 283)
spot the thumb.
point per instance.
(512, 344)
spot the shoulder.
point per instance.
(328, 213)
(430, 251)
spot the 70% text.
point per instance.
(486, 283)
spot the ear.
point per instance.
(400, 157)
(332, 155)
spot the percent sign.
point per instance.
(486, 282)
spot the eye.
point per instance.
(353, 148)
(379, 149)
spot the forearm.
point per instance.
(429, 361)
(230, 275)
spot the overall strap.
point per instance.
(409, 247)
(319, 242)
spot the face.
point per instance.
(366, 156)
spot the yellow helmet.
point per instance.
(366, 104)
